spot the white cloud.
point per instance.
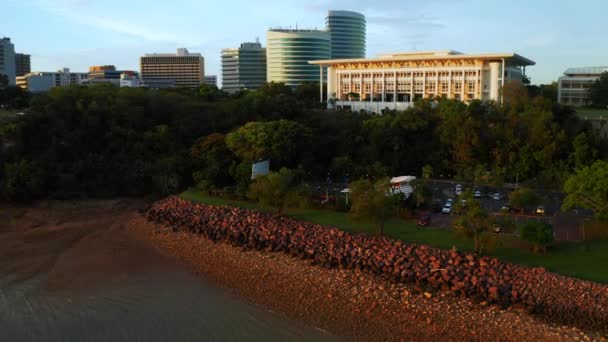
(84, 13)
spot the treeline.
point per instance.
(107, 141)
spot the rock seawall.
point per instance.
(561, 299)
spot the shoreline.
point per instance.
(347, 303)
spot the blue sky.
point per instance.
(556, 34)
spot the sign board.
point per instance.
(260, 169)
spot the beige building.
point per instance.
(39, 82)
(182, 69)
(395, 81)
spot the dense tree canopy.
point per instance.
(598, 94)
(588, 188)
(108, 141)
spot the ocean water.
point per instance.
(163, 306)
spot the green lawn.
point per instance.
(592, 113)
(569, 259)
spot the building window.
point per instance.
(457, 87)
(471, 86)
(444, 87)
(419, 87)
(430, 87)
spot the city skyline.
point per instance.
(80, 33)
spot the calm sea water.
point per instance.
(160, 307)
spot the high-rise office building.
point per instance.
(243, 67)
(289, 51)
(182, 69)
(22, 64)
(348, 30)
(7, 60)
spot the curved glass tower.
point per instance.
(289, 51)
(348, 31)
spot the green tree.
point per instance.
(584, 153)
(427, 172)
(473, 221)
(371, 202)
(588, 188)
(422, 193)
(539, 234)
(280, 141)
(211, 160)
(524, 198)
(23, 181)
(278, 190)
(598, 93)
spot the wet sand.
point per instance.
(75, 272)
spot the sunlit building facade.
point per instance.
(182, 69)
(395, 81)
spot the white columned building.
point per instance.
(395, 81)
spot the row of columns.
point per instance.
(478, 78)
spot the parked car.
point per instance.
(540, 210)
(424, 221)
(505, 208)
(458, 190)
(447, 208)
(477, 194)
(497, 196)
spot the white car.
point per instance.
(458, 190)
(497, 196)
(447, 208)
(477, 194)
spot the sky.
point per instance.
(556, 34)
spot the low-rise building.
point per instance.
(129, 79)
(211, 80)
(573, 87)
(395, 81)
(39, 82)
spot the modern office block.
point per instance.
(182, 69)
(22, 64)
(289, 51)
(243, 68)
(348, 34)
(7, 60)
